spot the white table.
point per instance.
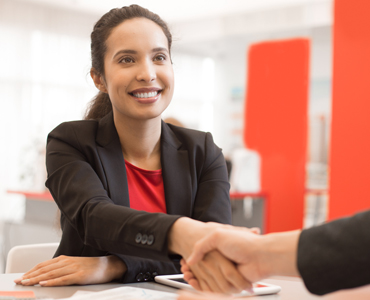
(292, 289)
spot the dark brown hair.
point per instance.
(100, 105)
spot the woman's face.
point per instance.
(138, 71)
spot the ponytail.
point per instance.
(98, 107)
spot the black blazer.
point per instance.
(87, 179)
(336, 255)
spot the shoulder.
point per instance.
(75, 131)
(191, 137)
(199, 144)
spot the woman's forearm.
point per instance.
(185, 232)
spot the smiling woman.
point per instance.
(129, 185)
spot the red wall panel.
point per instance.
(276, 126)
(350, 142)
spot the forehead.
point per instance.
(135, 34)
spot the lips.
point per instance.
(144, 93)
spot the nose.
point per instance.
(146, 72)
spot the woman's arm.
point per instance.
(78, 182)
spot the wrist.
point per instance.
(177, 236)
(116, 267)
(278, 253)
(185, 232)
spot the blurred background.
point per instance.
(44, 80)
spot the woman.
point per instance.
(123, 179)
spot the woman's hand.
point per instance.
(68, 270)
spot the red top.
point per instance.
(146, 189)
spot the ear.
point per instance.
(98, 80)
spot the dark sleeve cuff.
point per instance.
(335, 255)
(144, 270)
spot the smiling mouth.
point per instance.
(146, 95)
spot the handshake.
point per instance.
(227, 259)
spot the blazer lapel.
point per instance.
(110, 152)
(175, 168)
(176, 174)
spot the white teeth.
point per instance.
(146, 95)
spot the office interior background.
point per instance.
(44, 80)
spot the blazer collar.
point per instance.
(111, 157)
(176, 174)
(106, 130)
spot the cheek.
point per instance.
(167, 76)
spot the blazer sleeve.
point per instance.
(336, 255)
(141, 269)
(83, 200)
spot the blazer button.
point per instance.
(140, 277)
(147, 276)
(150, 240)
(144, 239)
(154, 274)
(138, 238)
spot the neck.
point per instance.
(140, 141)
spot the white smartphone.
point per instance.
(177, 281)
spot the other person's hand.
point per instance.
(68, 270)
(215, 273)
(256, 256)
(225, 266)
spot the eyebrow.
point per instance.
(128, 51)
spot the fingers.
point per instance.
(60, 281)
(203, 246)
(197, 278)
(225, 273)
(236, 280)
(202, 280)
(50, 274)
(40, 272)
(57, 271)
(215, 273)
(189, 276)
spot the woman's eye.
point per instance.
(126, 60)
(160, 58)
